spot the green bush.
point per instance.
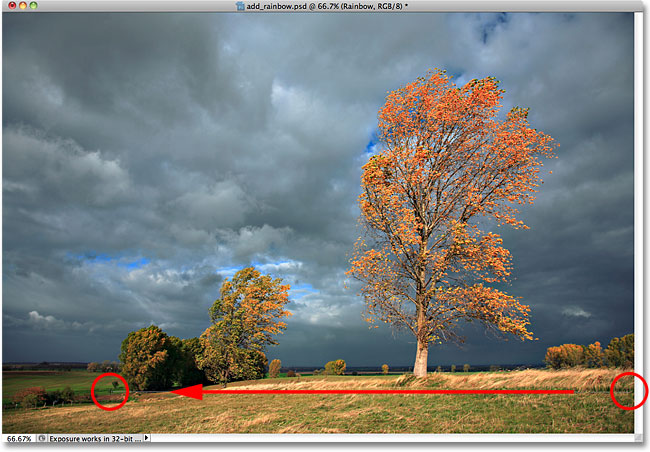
(150, 359)
(54, 397)
(336, 367)
(67, 395)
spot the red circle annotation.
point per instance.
(623, 407)
(116, 407)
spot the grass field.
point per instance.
(79, 381)
(589, 410)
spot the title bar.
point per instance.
(243, 6)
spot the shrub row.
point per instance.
(619, 353)
(37, 396)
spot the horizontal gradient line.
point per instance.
(388, 391)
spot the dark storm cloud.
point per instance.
(146, 157)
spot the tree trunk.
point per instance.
(421, 359)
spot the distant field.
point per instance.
(79, 381)
(589, 410)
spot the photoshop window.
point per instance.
(288, 221)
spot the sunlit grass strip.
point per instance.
(389, 391)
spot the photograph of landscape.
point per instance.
(318, 223)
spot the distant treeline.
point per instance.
(361, 370)
(304, 370)
(60, 366)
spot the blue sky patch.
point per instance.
(120, 260)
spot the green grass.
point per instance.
(79, 381)
(582, 413)
(585, 411)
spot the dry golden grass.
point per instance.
(585, 411)
(320, 383)
(576, 379)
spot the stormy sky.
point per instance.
(146, 157)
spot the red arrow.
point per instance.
(197, 391)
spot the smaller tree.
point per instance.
(291, 373)
(384, 369)
(465, 367)
(274, 368)
(566, 355)
(67, 394)
(93, 367)
(244, 320)
(453, 368)
(336, 367)
(438, 369)
(553, 357)
(106, 366)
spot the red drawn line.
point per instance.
(388, 391)
(197, 391)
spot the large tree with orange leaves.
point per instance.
(244, 320)
(447, 167)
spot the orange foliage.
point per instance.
(244, 320)
(594, 355)
(566, 355)
(250, 309)
(572, 355)
(446, 161)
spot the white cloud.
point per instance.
(65, 170)
(37, 321)
(280, 267)
(576, 311)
